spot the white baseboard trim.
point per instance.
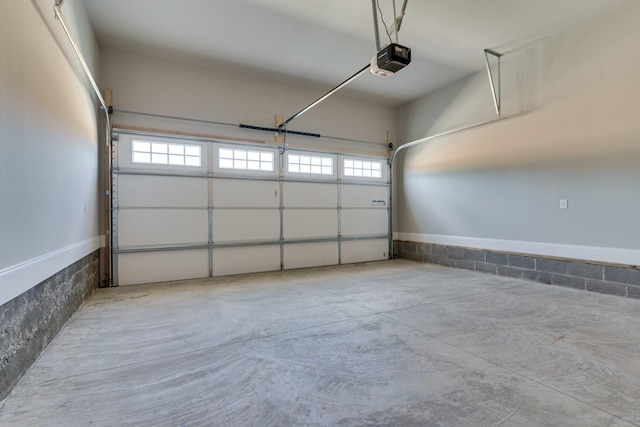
(19, 278)
(583, 253)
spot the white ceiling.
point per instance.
(317, 44)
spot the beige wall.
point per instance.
(158, 86)
(574, 134)
(48, 145)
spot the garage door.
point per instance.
(192, 208)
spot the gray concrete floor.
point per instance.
(388, 343)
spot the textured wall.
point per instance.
(608, 279)
(31, 320)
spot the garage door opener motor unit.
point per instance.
(390, 59)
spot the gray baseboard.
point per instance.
(586, 275)
(30, 321)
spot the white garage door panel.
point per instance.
(310, 224)
(162, 266)
(308, 195)
(364, 250)
(310, 255)
(236, 217)
(364, 222)
(234, 193)
(253, 259)
(234, 225)
(142, 227)
(363, 196)
(162, 191)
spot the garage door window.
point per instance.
(231, 158)
(362, 168)
(314, 165)
(163, 153)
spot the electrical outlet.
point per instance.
(564, 204)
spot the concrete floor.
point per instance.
(388, 343)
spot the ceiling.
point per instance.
(317, 44)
